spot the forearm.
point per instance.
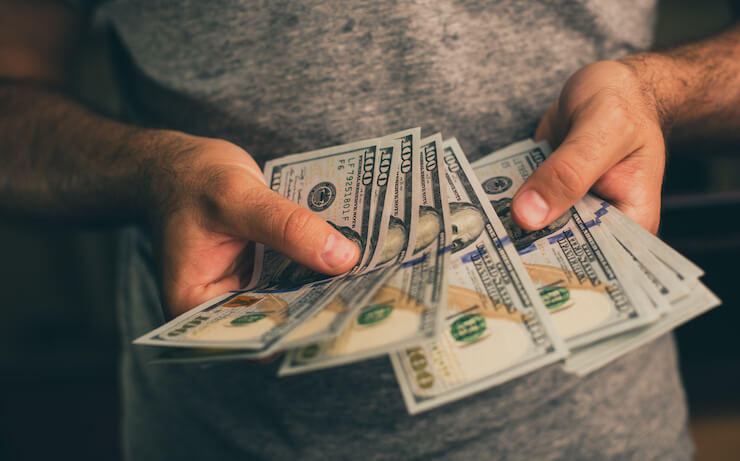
(60, 160)
(696, 87)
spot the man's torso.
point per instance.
(284, 77)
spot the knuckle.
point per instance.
(226, 192)
(619, 115)
(622, 121)
(624, 114)
(222, 187)
(230, 189)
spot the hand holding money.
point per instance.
(447, 283)
(210, 201)
(609, 138)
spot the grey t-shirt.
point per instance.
(281, 77)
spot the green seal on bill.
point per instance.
(468, 328)
(554, 297)
(374, 314)
(247, 319)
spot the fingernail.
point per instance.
(338, 250)
(532, 208)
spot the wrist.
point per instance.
(159, 182)
(663, 84)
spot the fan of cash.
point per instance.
(459, 296)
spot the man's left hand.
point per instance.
(608, 131)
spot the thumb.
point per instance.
(590, 149)
(298, 233)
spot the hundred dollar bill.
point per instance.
(406, 309)
(632, 267)
(334, 314)
(220, 332)
(397, 232)
(574, 266)
(664, 282)
(385, 195)
(662, 277)
(337, 184)
(643, 270)
(232, 320)
(251, 325)
(685, 271)
(495, 326)
(633, 264)
(356, 290)
(590, 358)
(519, 146)
(403, 221)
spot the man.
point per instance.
(279, 78)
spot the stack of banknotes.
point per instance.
(459, 296)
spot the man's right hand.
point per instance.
(209, 201)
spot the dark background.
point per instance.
(58, 338)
